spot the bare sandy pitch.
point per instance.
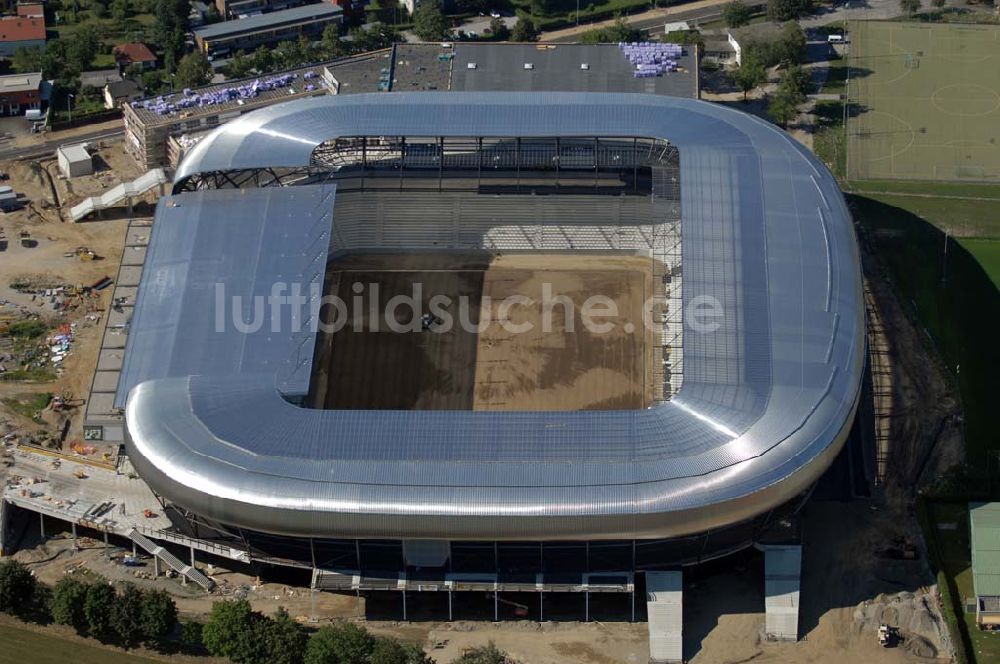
(555, 363)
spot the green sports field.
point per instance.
(925, 102)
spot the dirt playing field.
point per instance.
(509, 332)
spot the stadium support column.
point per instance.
(517, 162)
(635, 188)
(479, 171)
(782, 575)
(663, 603)
(440, 163)
(41, 524)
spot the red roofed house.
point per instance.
(21, 32)
(30, 9)
(134, 53)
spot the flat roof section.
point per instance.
(984, 521)
(269, 21)
(359, 73)
(560, 68)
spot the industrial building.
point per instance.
(247, 34)
(984, 527)
(403, 68)
(20, 92)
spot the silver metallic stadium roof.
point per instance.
(767, 398)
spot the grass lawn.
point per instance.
(987, 252)
(836, 77)
(959, 217)
(954, 300)
(25, 645)
(959, 189)
(829, 141)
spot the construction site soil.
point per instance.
(510, 332)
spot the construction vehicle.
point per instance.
(149, 514)
(520, 610)
(888, 636)
(26, 240)
(83, 253)
(79, 474)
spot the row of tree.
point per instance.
(130, 616)
(244, 636)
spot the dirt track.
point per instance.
(557, 364)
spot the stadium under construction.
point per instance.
(559, 460)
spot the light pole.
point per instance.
(69, 105)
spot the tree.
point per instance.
(120, 12)
(783, 107)
(239, 65)
(736, 14)
(236, 631)
(98, 606)
(66, 606)
(488, 654)
(791, 45)
(429, 21)
(126, 616)
(390, 651)
(158, 616)
(797, 80)
(263, 60)
(286, 639)
(619, 31)
(375, 38)
(524, 30)
(331, 44)
(909, 7)
(749, 75)
(787, 10)
(938, 4)
(17, 586)
(169, 27)
(26, 60)
(793, 85)
(193, 70)
(499, 29)
(82, 48)
(341, 644)
(191, 636)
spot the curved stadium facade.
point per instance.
(733, 422)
